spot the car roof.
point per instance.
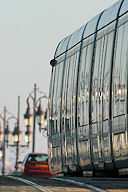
(35, 153)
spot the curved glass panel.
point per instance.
(109, 15)
(76, 37)
(124, 7)
(91, 27)
(61, 47)
(120, 72)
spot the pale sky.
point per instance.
(29, 33)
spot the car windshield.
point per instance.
(38, 157)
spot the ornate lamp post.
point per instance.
(3, 137)
(28, 122)
(1, 134)
(40, 116)
(37, 112)
(17, 135)
(6, 134)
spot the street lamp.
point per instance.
(28, 116)
(28, 122)
(1, 134)
(7, 133)
(17, 134)
(40, 116)
(5, 138)
(28, 135)
(1, 152)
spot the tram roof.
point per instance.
(107, 16)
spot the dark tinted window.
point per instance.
(38, 158)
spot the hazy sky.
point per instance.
(29, 33)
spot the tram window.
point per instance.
(76, 57)
(51, 87)
(106, 76)
(95, 81)
(81, 88)
(50, 100)
(87, 79)
(65, 87)
(54, 97)
(71, 87)
(100, 95)
(58, 95)
(120, 75)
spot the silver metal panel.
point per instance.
(91, 27)
(62, 46)
(124, 7)
(109, 15)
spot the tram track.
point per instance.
(91, 187)
(63, 184)
(33, 184)
(18, 183)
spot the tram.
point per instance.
(88, 97)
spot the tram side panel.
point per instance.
(64, 120)
(100, 86)
(119, 89)
(108, 138)
(54, 138)
(50, 120)
(68, 112)
(101, 132)
(83, 108)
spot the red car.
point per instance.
(36, 164)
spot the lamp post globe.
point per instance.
(7, 133)
(28, 116)
(40, 116)
(28, 135)
(45, 119)
(17, 134)
(1, 153)
(1, 134)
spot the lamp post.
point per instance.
(6, 133)
(4, 136)
(28, 121)
(17, 133)
(4, 119)
(36, 112)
